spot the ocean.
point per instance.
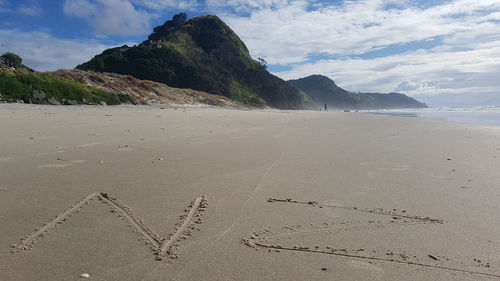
(488, 116)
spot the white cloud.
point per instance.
(467, 59)
(423, 74)
(167, 4)
(247, 5)
(29, 10)
(289, 33)
(43, 52)
(420, 87)
(110, 17)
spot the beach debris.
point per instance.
(432, 257)
(324, 269)
(39, 95)
(84, 275)
(53, 101)
(70, 102)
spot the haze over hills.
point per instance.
(323, 90)
(201, 53)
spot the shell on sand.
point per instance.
(84, 275)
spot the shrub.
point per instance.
(12, 60)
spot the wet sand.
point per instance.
(144, 193)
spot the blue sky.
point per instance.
(443, 52)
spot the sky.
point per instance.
(442, 52)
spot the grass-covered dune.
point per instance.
(42, 88)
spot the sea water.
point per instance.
(481, 115)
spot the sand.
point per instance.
(144, 193)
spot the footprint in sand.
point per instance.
(125, 148)
(366, 265)
(62, 165)
(6, 158)
(397, 168)
(332, 212)
(373, 175)
(54, 165)
(200, 142)
(365, 188)
(88, 144)
(280, 136)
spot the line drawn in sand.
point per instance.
(261, 239)
(164, 248)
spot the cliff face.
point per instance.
(323, 90)
(204, 54)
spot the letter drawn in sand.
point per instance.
(269, 240)
(164, 247)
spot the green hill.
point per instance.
(204, 54)
(323, 90)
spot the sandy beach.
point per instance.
(145, 193)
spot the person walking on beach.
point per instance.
(326, 107)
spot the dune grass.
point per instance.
(18, 84)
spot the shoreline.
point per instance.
(487, 118)
(393, 113)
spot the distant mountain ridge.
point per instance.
(204, 54)
(323, 90)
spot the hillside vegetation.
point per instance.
(34, 87)
(204, 54)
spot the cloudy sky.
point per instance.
(443, 52)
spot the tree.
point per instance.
(169, 26)
(179, 19)
(262, 62)
(11, 60)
